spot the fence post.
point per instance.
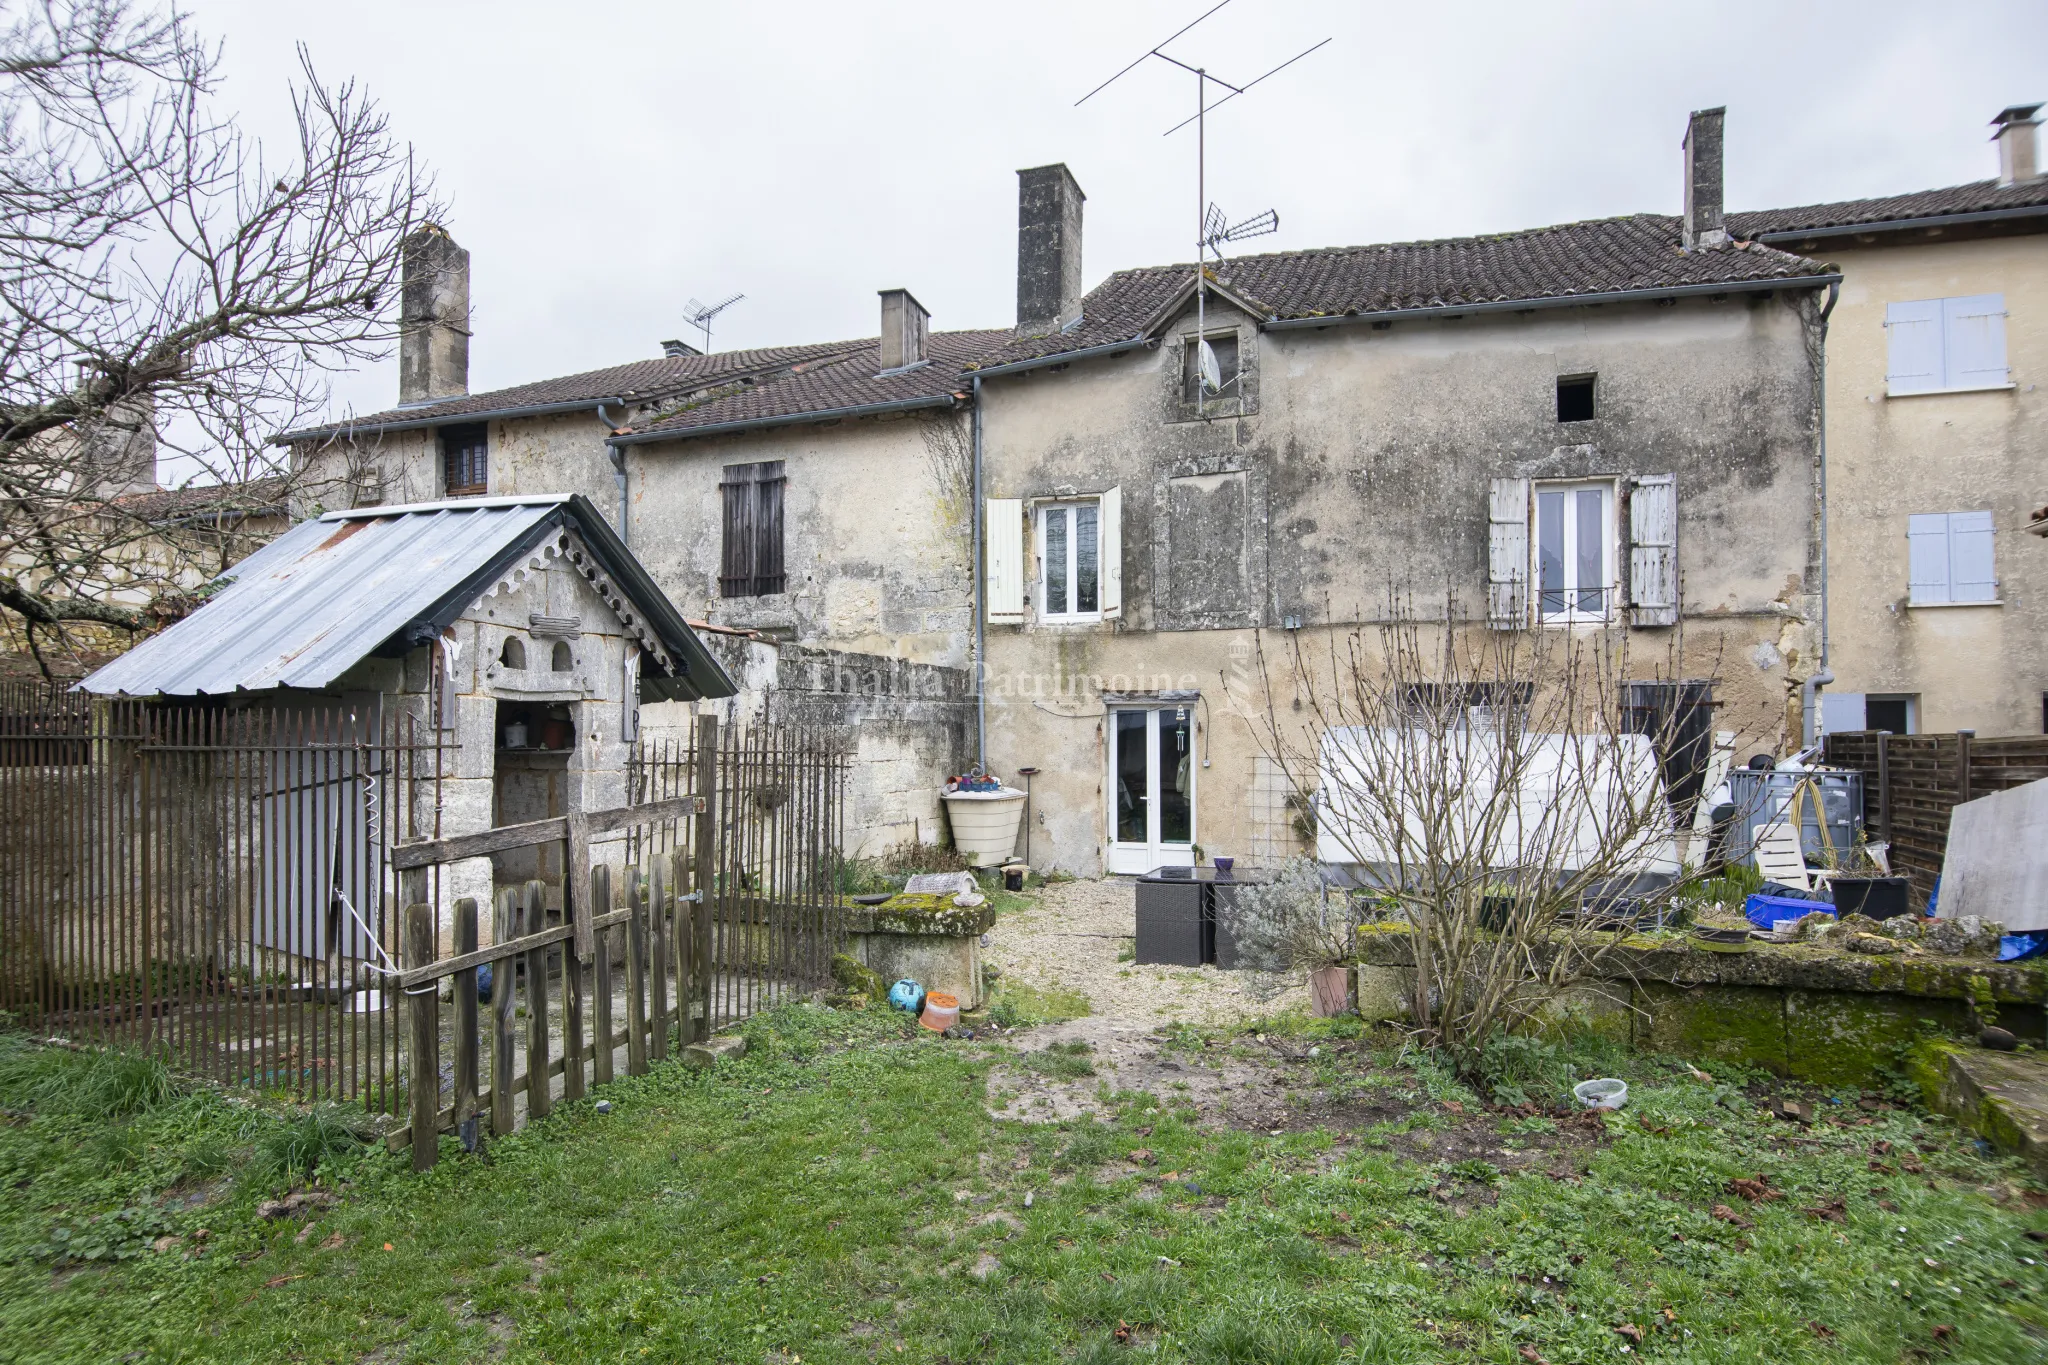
(504, 981)
(657, 957)
(1884, 783)
(575, 974)
(636, 974)
(1963, 738)
(685, 949)
(573, 872)
(601, 973)
(466, 1041)
(424, 1003)
(539, 1098)
(707, 874)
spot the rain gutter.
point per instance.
(636, 438)
(1061, 357)
(1900, 225)
(445, 419)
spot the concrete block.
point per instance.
(1381, 992)
(709, 1053)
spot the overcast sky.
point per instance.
(606, 162)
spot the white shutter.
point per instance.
(1927, 558)
(1914, 343)
(1841, 712)
(1112, 557)
(1003, 530)
(1973, 335)
(1653, 550)
(1971, 577)
(1507, 554)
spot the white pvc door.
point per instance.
(1151, 788)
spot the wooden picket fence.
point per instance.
(660, 938)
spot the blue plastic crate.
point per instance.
(1767, 912)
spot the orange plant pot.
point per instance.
(941, 1011)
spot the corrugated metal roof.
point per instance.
(316, 601)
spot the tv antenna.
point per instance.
(1212, 228)
(699, 315)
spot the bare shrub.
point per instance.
(1490, 789)
(164, 280)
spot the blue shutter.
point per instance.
(1973, 339)
(1970, 572)
(1927, 558)
(1914, 343)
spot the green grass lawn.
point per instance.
(840, 1195)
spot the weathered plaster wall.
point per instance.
(1365, 469)
(877, 537)
(1977, 667)
(908, 726)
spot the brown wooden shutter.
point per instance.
(751, 562)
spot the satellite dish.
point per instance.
(1212, 373)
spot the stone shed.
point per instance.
(504, 645)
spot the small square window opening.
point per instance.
(1224, 345)
(1575, 398)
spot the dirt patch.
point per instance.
(1277, 1087)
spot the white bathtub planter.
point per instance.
(985, 823)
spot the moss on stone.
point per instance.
(1733, 1023)
(928, 913)
(856, 978)
(1849, 1038)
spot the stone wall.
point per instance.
(1815, 1013)
(907, 725)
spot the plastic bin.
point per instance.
(1767, 912)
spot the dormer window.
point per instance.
(1223, 345)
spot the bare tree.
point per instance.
(1502, 807)
(163, 279)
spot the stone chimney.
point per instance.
(433, 340)
(1704, 225)
(905, 328)
(120, 451)
(2019, 157)
(1048, 248)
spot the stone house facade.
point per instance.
(1937, 434)
(1608, 426)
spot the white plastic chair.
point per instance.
(1779, 857)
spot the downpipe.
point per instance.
(618, 458)
(1809, 691)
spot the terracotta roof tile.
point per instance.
(1982, 196)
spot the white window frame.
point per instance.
(1610, 575)
(1046, 614)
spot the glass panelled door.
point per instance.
(1151, 788)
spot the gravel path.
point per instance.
(1071, 938)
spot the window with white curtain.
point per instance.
(1070, 561)
(1574, 544)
